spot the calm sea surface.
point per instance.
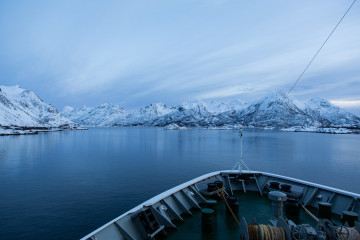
(63, 185)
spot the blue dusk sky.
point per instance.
(133, 53)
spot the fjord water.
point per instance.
(63, 185)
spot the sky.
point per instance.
(133, 53)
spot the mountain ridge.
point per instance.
(23, 110)
(273, 111)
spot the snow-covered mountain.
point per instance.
(200, 113)
(215, 107)
(158, 114)
(145, 116)
(276, 110)
(281, 111)
(103, 115)
(74, 114)
(23, 108)
(187, 114)
(273, 111)
(336, 116)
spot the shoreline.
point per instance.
(17, 131)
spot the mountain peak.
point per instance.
(21, 107)
(320, 102)
(274, 110)
(336, 115)
(156, 105)
(277, 95)
(154, 110)
(12, 91)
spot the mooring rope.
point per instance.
(232, 213)
(267, 232)
(310, 214)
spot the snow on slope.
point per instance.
(21, 110)
(198, 113)
(20, 107)
(103, 115)
(215, 107)
(146, 115)
(73, 114)
(337, 116)
(238, 105)
(273, 111)
(187, 114)
(281, 111)
(208, 106)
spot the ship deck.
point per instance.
(177, 213)
(252, 206)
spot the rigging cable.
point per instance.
(320, 48)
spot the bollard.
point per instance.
(277, 199)
(325, 210)
(350, 218)
(233, 203)
(211, 203)
(292, 207)
(208, 221)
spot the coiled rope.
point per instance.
(253, 232)
(353, 233)
(267, 232)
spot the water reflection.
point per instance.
(65, 184)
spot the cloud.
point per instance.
(346, 103)
(170, 51)
(225, 92)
